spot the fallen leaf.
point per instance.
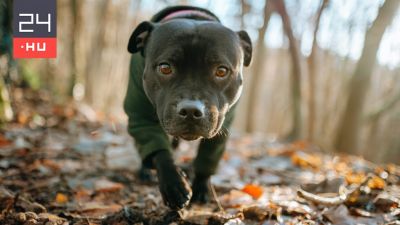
(82, 194)
(376, 183)
(254, 191)
(4, 141)
(98, 209)
(104, 185)
(341, 215)
(23, 117)
(61, 198)
(305, 160)
(355, 178)
(51, 217)
(256, 213)
(341, 167)
(386, 202)
(235, 199)
(51, 164)
(393, 169)
(300, 145)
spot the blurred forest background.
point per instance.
(324, 71)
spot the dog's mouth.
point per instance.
(189, 133)
(192, 134)
(190, 137)
(191, 130)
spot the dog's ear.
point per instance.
(139, 37)
(246, 46)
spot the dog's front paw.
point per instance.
(174, 188)
(201, 190)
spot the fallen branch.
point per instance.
(332, 201)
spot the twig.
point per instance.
(214, 193)
(332, 201)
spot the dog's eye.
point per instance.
(221, 71)
(165, 68)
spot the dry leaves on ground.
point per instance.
(64, 165)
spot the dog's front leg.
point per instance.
(206, 163)
(174, 186)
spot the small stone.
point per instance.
(50, 223)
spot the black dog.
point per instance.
(185, 78)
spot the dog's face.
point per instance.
(193, 73)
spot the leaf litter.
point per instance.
(67, 164)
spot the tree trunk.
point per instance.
(311, 61)
(279, 5)
(245, 8)
(59, 82)
(257, 70)
(350, 125)
(6, 112)
(384, 108)
(92, 78)
(75, 22)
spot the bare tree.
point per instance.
(384, 108)
(311, 61)
(245, 8)
(279, 6)
(76, 7)
(349, 128)
(257, 68)
(92, 74)
(373, 120)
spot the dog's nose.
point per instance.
(190, 109)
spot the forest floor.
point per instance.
(67, 164)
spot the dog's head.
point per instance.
(192, 74)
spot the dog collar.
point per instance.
(187, 13)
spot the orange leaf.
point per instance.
(82, 194)
(106, 186)
(392, 168)
(4, 141)
(341, 167)
(253, 190)
(300, 144)
(61, 198)
(355, 178)
(376, 183)
(303, 159)
(23, 117)
(51, 164)
(354, 197)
